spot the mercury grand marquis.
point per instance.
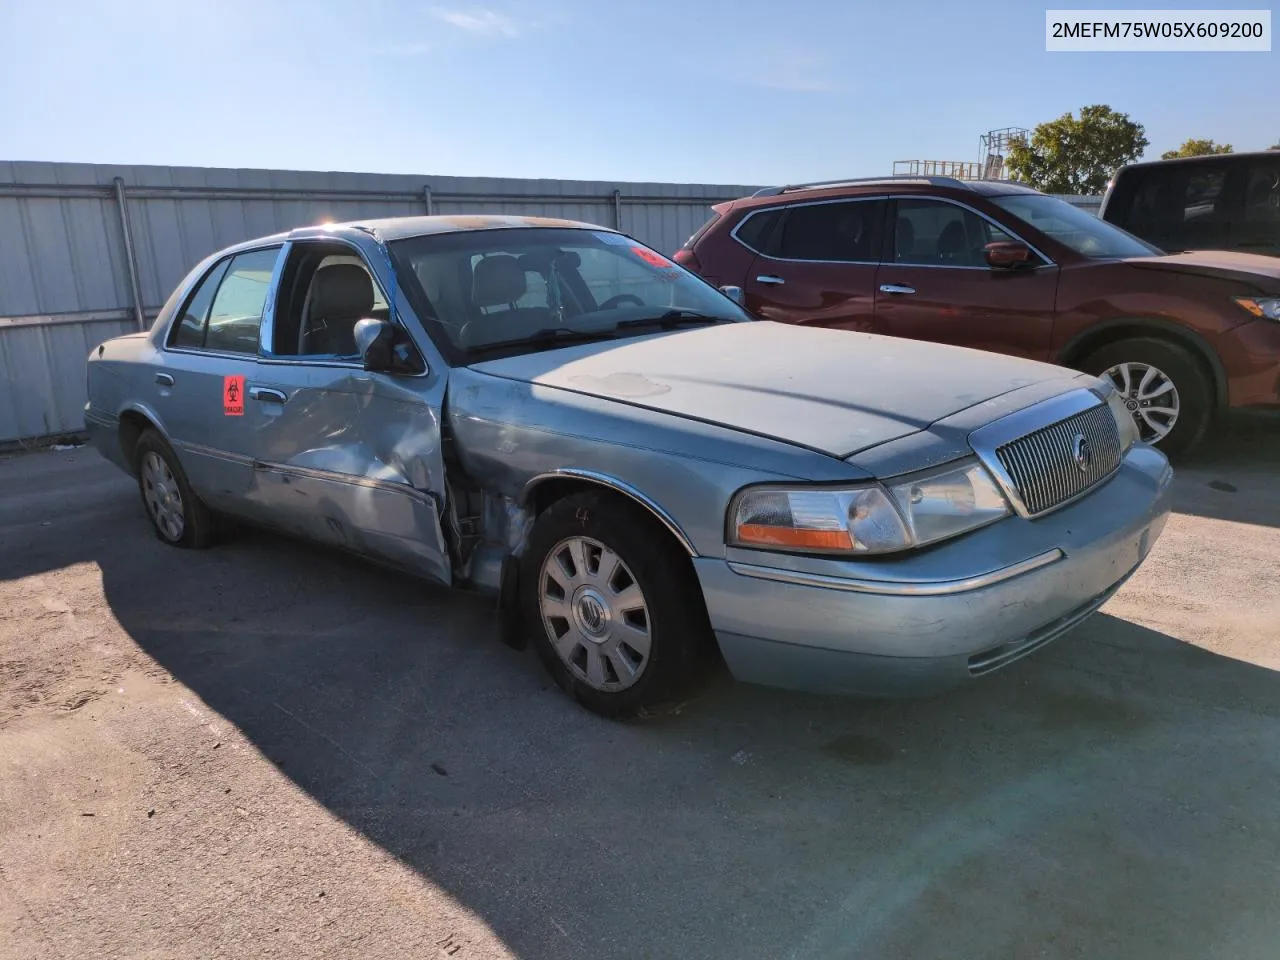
(643, 474)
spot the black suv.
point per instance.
(1228, 201)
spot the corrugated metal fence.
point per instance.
(90, 251)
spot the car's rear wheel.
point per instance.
(616, 614)
(178, 516)
(1165, 388)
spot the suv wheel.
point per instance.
(1163, 385)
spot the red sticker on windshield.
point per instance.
(651, 258)
(233, 396)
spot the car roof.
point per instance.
(878, 185)
(399, 228)
(1207, 158)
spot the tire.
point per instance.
(602, 622)
(178, 516)
(1179, 377)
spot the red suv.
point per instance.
(1001, 267)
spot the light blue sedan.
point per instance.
(642, 474)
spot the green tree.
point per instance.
(1077, 156)
(1196, 148)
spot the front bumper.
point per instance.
(926, 622)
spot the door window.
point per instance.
(937, 234)
(236, 314)
(325, 290)
(843, 232)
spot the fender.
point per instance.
(619, 486)
(1086, 341)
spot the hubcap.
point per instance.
(594, 613)
(164, 500)
(1150, 397)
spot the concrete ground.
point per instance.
(264, 750)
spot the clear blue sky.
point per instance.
(717, 91)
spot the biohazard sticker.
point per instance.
(233, 396)
(651, 258)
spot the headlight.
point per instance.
(1125, 424)
(1267, 308)
(897, 515)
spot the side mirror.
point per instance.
(1007, 254)
(384, 348)
(735, 294)
(374, 339)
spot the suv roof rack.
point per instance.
(891, 178)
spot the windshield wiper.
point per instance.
(671, 319)
(547, 337)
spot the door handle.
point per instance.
(898, 288)
(164, 379)
(770, 279)
(268, 395)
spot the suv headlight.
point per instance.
(1267, 308)
(878, 517)
(1125, 424)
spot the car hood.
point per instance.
(1252, 268)
(832, 391)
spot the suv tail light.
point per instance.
(684, 256)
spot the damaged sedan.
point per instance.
(647, 478)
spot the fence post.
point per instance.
(130, 255)
(428, 201)
(617, 209)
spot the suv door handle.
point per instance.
(164, 379)
(268, 395)
(896, 288)
(770, 279)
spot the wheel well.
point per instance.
(132, 424)
(555, 488)
(1077, 350)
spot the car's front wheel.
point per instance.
(616, 614)
(1164, 387)
(179, 517)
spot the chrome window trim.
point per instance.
(806, 203)
(986, 440)
(621, 486)
(1048, 261)
(899, 588)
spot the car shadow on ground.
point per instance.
(1113, 796)
(1233, 475)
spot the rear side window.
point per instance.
(236, 313)
(189, 330)
(846, 231)
(1175, 206)
(757, 228)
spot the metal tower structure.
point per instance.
(995, 144)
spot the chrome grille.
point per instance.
(1061, 461)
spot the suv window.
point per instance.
(757, 229)
(189, 330)
(236, 313)
(940, 234)
(845, 231)
(1262, 191)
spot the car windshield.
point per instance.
(1078, 229)
(487, 293)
